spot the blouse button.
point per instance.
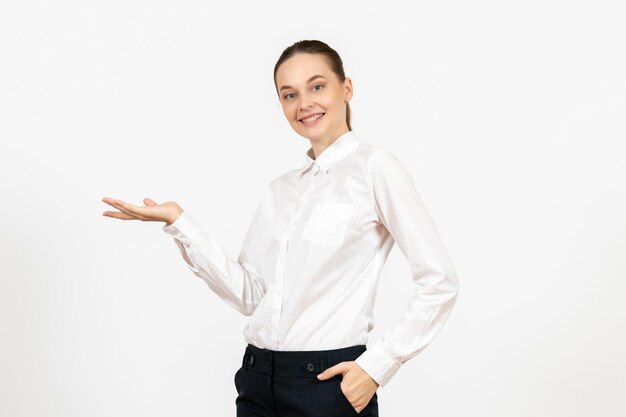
(310, 366)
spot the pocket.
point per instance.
(327, 223)
(371, 409)
(345, 401)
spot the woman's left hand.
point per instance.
(357, 386)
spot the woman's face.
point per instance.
(308, 87)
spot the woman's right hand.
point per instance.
(167, 212)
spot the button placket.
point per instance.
(280, 263)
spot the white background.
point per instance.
(510, 116)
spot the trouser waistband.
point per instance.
(296, 363)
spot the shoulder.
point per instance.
(283, 179)
(369, 157)
(380, 161)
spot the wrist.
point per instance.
(178, 212)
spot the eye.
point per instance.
(287, 96)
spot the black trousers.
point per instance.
(274, 383)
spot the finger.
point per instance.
(124, 208)
(136, 211)
(118, 215)
(129, 216)
(332, 371)
(113, 203)
(129, 208)
(149, 202)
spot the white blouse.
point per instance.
(310, 263)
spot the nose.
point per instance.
(305, 108)
(305, 104)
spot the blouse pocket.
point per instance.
(327, 223)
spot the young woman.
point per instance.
(310, 263)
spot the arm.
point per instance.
(401, 210)
(236, 282)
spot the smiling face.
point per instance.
(308, 87)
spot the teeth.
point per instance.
(310, 119)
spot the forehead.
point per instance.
(300, 67)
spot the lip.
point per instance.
(313, 122)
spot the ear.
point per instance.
(347, 85)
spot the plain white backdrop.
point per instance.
(510, 116)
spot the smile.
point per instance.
(311, 120)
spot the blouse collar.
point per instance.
(339, 148)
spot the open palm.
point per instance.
(152, 212)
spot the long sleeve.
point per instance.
(238, 283)
(402, 212)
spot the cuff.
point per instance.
(184, 228)
(378, 364)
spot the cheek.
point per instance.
(331, 103)
(288, 111)
(332, 109)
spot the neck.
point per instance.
(318, 145)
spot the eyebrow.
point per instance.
(308, 81)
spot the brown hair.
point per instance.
(316, 47)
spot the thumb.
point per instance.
(149, 202)
(331, 372)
